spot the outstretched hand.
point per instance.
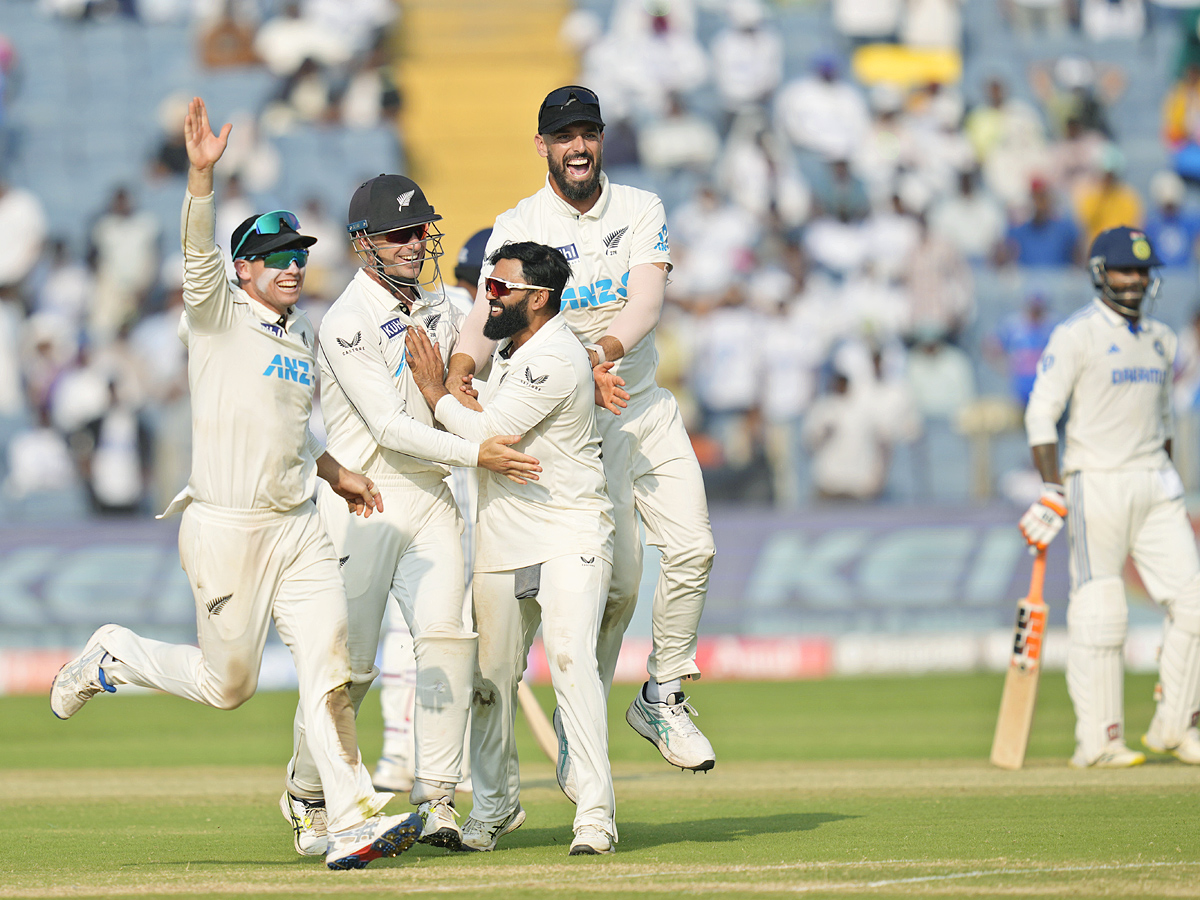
(204, 147)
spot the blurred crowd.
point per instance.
(829, 230)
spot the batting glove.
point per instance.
(1044, 519)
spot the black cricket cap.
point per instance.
(261, 244)
(566, 105)
(387, 202)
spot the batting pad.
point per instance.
(1097, 622)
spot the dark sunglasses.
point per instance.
(269, 223)
(281, 259)
(498, 287)
(562, 96)
(407, 235)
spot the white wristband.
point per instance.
(599, 351)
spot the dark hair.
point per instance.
(539, 265)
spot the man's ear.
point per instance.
(540, 144)
(241, 268)
(540, 301)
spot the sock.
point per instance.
(658, 692)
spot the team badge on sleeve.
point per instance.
(662, 244)
(1047, 362)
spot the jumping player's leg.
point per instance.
(397, 698)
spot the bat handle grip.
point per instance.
(1038, 578)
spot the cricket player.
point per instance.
(397, 664)
(379, 425)
(615, 238)
(251, 541)
(544, 549)
(1121, 497)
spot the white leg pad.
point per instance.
(1179, 667)
(445, 680)
(1097, 623)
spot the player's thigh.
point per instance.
(1099, 513)
(571, 597)
(499, 621)
(310, 608)
(668, 486)
(234, 570)
(619, 447)
(367, 551)
(1164, 548)
(428, 581)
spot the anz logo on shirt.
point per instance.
(596, 294)
(289, 369)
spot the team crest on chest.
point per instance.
(611, 241)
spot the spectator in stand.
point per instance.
(1186, 392)
(678, 141)
(941, 291)
(971, 220)
(66, 288)
(988, 126)
(711, 241)
(889, 146)
(867, 21)
(822, 114)
(371, 97)
(747, 58)
(850, 447)
(1075, 88)
(840, 193)
(1181, 122)
(39, 461)
(125, 242)
(286, 40)
(22, 233)
(1046, 238)
(758, 173)
(1107, 201)
(1017, 345)
(1035, 17)
(170, 159)
(933, 24)
(941, 376)
(1075, 157)
(1109, 20)
(1172, 228)
(1009, 142)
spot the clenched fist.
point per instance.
(1044, 519)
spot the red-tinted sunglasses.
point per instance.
(498, 287)
(407, 235)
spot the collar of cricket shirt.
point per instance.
(264, 313)
(563, 208)
(505, 349)
(1117, 320)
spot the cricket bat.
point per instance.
(543, 731)
(1021, 682)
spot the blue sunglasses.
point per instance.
(269, 223)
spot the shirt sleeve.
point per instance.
(529, 393)
(207, 295)
(649, 242)
(1058, 370)
(367, 384)
(313, 443)
(639, 316)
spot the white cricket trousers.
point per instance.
(247, 568)
(650, 468)
(411, 550)
(1113, 515)
(569, 606)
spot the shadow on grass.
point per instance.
(643, 835)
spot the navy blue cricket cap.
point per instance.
(1124, 248)
(567, 105)
(470, 257)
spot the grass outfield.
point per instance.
(875, 787)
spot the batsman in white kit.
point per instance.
(251, 541)
(544, 549)
(379, 425)
(615, 238)
(1120, 497)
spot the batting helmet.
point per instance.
(1122, 248)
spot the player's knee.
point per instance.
(231, 696)
(690, 566)
(1098, 615)
(1185, 609)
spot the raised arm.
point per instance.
(204, 147)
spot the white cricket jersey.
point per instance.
(543, 392)
(627, 227)
(250, 371)
(1117, 378)
(377, 421)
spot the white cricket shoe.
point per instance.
(591, 840)
(376, 837)
(482, 836)
(393, 775)
(307, 818)
(440, 824)
(563, 769)
(668, 726)
(81, 679)
(1187, 750)
(1115, 755)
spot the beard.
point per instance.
(511, 320)
(575, 190)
